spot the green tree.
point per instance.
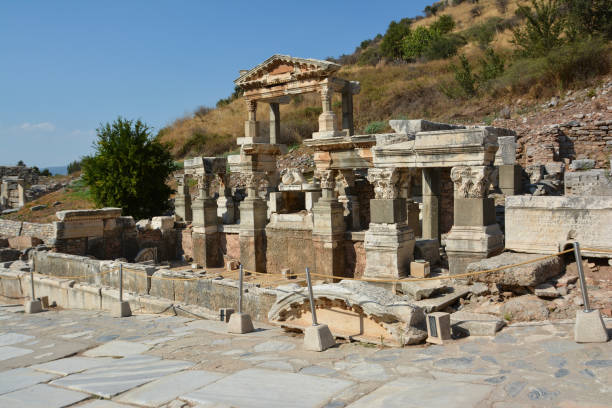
(464, 76)
(588, 18)
(544, 24)
(415, 44)
(74, 166)
(391, 44)
(492, 65)
(129, 169)
(444, 24)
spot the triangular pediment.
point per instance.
(280, 69)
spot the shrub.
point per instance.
(206, 144)
(129, 169)
(416, 42)
(202, 111)
(492, 65)
(578, 62)
(371, 56)
(588, 18)
(464, 76)
(375, 127)
(391, 44)
(443, 47)
(444, 24)
(542, 30)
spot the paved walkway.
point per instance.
(89, 359)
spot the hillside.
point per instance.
(425, 86)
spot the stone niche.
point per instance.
(545, 225)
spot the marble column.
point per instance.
(475, 235)
(251, 126)
(226, 208)
(347, 196)
(182, 200)
(252, 235)
(431, 203)
(389, 241)
(328, 230)
(205, 236)
(274, 123)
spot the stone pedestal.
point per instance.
(318, 338)
(389, 242)
(205, 235)
(510, 180)
(252, 233)
(240, 323)
(590, 327)
(121, 309)
(328, 236)
(33, 306)
(431, 204)
(474, 235)
(226, 209)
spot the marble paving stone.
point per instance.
(273, 345)
(168, 388)
(71, 365)
(121, 375)
(368, 372)
(256, 388)
(7, 352)
(276, 365)
(57, 349)
(117, 348)
(6, 339)
(422, 392)
(102, 404)
(19, 378)
(77, 334)
(41, 396)
(214, 326)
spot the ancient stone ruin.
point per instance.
(429, 198)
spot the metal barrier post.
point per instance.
(32, 284)
(240, 290)
(120, 282)
(310, 295)
(583, 286)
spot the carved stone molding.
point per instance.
(327, 178)
(292, 176)
(251, 108)
(471, 181)
(386, 183)
(204, 181)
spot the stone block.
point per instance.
(240, 323)
(546, 291)
(582, 164)
(595, 182)
(474, 211)
(318, 338)
(528, 275)
(475, 324)
(427, 249)
(413, 126)
(510, 179)
(121, 309)
(419, 268)
(311, 199)
(467, 244)
(525, 308)
(33, 306)
(162, 223)
(546, 225)
(438, 327)
(590, 327)
(422, 289)
(387, 211)
(389, 250)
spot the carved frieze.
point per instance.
(386, 182)
(471, 181)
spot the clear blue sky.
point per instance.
(67, 66)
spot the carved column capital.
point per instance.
(251, 108)
(326, 97)
(327, 178)
(254, 181)
(471, 181)
(204, 181)
(386, 182)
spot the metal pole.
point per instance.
(312, 303)
(120, 282)
(240, 291)
(32, 284)
(583, 286)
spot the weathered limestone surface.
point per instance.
(596, 182)
(414, 126)
(475, 324)
(346, 304)
(555, 221)
(527, 275)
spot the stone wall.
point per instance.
(540, 224)
(23, 172)
(289, 242)
(572, 140)
(45, 232)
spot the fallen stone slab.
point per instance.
(524, 308)
(546, 291)
(422, 289)
(475, 324)
(531, 274)
(24, 242)
(435, 304)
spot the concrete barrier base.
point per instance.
(240, 323)
(318, 338)
(590, 327)
(121, 309)
(33, 306)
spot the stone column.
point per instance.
(328, 126)
(346, 195)
(412, 208)
(475, 234)
(431, 203)
(253, 211)
(347, 112)
(389, 242)
(4, 194)
(251, 126)
(274, 123)
(205, 236)
(328, 230)
(182, 200)
(226, 208)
